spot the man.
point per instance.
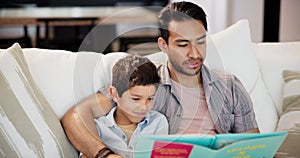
(194, 98)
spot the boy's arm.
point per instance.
(79, 123)
(255, 130)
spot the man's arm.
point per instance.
(244, 110)
(79, 123)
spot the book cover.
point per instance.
(208, 146)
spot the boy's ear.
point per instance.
(162, 44)
(114, 93)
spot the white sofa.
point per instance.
(37, 86)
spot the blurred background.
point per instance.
(270, 21)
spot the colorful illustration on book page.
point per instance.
(170, 149)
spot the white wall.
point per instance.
(289, 20)
(253, 10)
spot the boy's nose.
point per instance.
(145, 104)
(143, 107)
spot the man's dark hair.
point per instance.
(134, 70)
(179, 11)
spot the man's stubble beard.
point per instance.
(181, 70)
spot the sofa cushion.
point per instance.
(231, 50)
(289, 119)
(103, 70)
(65, 77)
(53, 71)
(29, 126)
(291, 91)
(273, 58)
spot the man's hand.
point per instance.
(79, 123)
(109, 156)
(255, 130)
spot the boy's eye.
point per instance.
(135, 99)
(150, 99)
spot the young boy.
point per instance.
(134, 83)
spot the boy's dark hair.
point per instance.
(133, 70)
(179, 11)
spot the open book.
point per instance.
(208, 146)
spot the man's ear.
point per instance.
(162, 44)
(114, 93)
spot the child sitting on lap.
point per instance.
(134, 84)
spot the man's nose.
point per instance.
(194, 52)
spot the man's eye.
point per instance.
(201, 42)
(182, 45)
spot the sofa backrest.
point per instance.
(65, 77)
